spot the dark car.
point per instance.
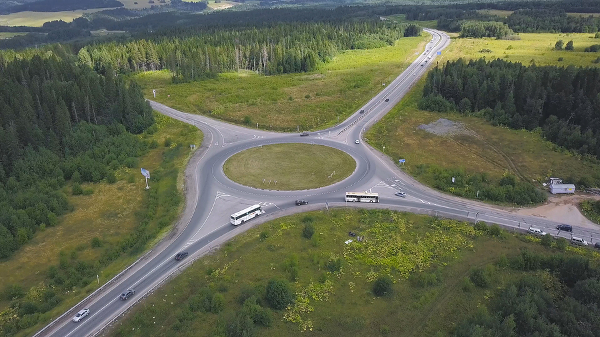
(304, 133)
(181, 256)
(362, 111)
(301, 202)
(387, 99)
(597, 245)
(566, 228)
(127, 294)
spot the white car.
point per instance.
(400, 194)
(357, 141)
(578, 241)
(81, 314)
(536, 231)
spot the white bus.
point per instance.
(362, 197)
(245, 214)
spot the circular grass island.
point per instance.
(289, 167)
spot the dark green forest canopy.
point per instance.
(59, 120)
(281, 48)
(563, 102)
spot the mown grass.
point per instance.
(491, 149)
(286, 102)
(8, 35)
(430, 261)
(591, 210)
(288, 167)
(111, 213)
(532, 48)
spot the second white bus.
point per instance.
(362, 197)
(245, 214)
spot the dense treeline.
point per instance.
(478, 29)
(558, 297)
(59, 121)
(282, 48)
(545, 20)
(61, 5)
(563, 102)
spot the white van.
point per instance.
(536, 231)
(578, 241)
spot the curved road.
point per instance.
(212, 197)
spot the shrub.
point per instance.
(334, 265)
(131, 162)
(560, 59)
(495, 230)
(13, 292)
(278, 294)
(247, 120)
(559, 45)
(76, 189)
(217, 303)
(153, 144)
(570, 46)
(263, 235)
(561, 244)
(481, 226)
(308, 231)
(168, 142)
(383, 286)
(111, 178)
(546, 240)
(466, 285)
(96, 242)
(76, 177)
(480, 277)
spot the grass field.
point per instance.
(429, 261)
(496, 12)
(8, 35)
(532, 47)
(111, 213)
(37, 19)
(285, 102)
(288, 167)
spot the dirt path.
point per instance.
(563, 209)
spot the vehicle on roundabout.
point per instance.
(357, 141)
(81, 314)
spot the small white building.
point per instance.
(562, 188)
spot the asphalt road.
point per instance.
(212, 197)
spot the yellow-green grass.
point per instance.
(343, 304)
(284, 102)
(110, 213)
(104, 32)
(221, 5)
(532, 47)
(288, 167)
(8, 35)
(494, 150)
(37, 19)
(496, 12)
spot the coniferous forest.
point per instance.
(59, 121)
(563, 102)
(281, 48)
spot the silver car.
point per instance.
(80, 315)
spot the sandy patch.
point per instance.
(446, 127)
(563, 209)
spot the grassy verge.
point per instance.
(286, 102)
(429, 261)
(591, 209)
(37, 19)
(97, 237)
(288, 167)
(8, 35)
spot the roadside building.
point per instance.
(557, 187)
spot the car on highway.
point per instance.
(400, 194)
(357, 141)
(387, 99)
(362, 111)
(301, 202)
(578, 241)
(303, 134)
(536, 231)
(181, 255)
(566, 228)
(81, 314)
(597, 245)
(127, 294)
